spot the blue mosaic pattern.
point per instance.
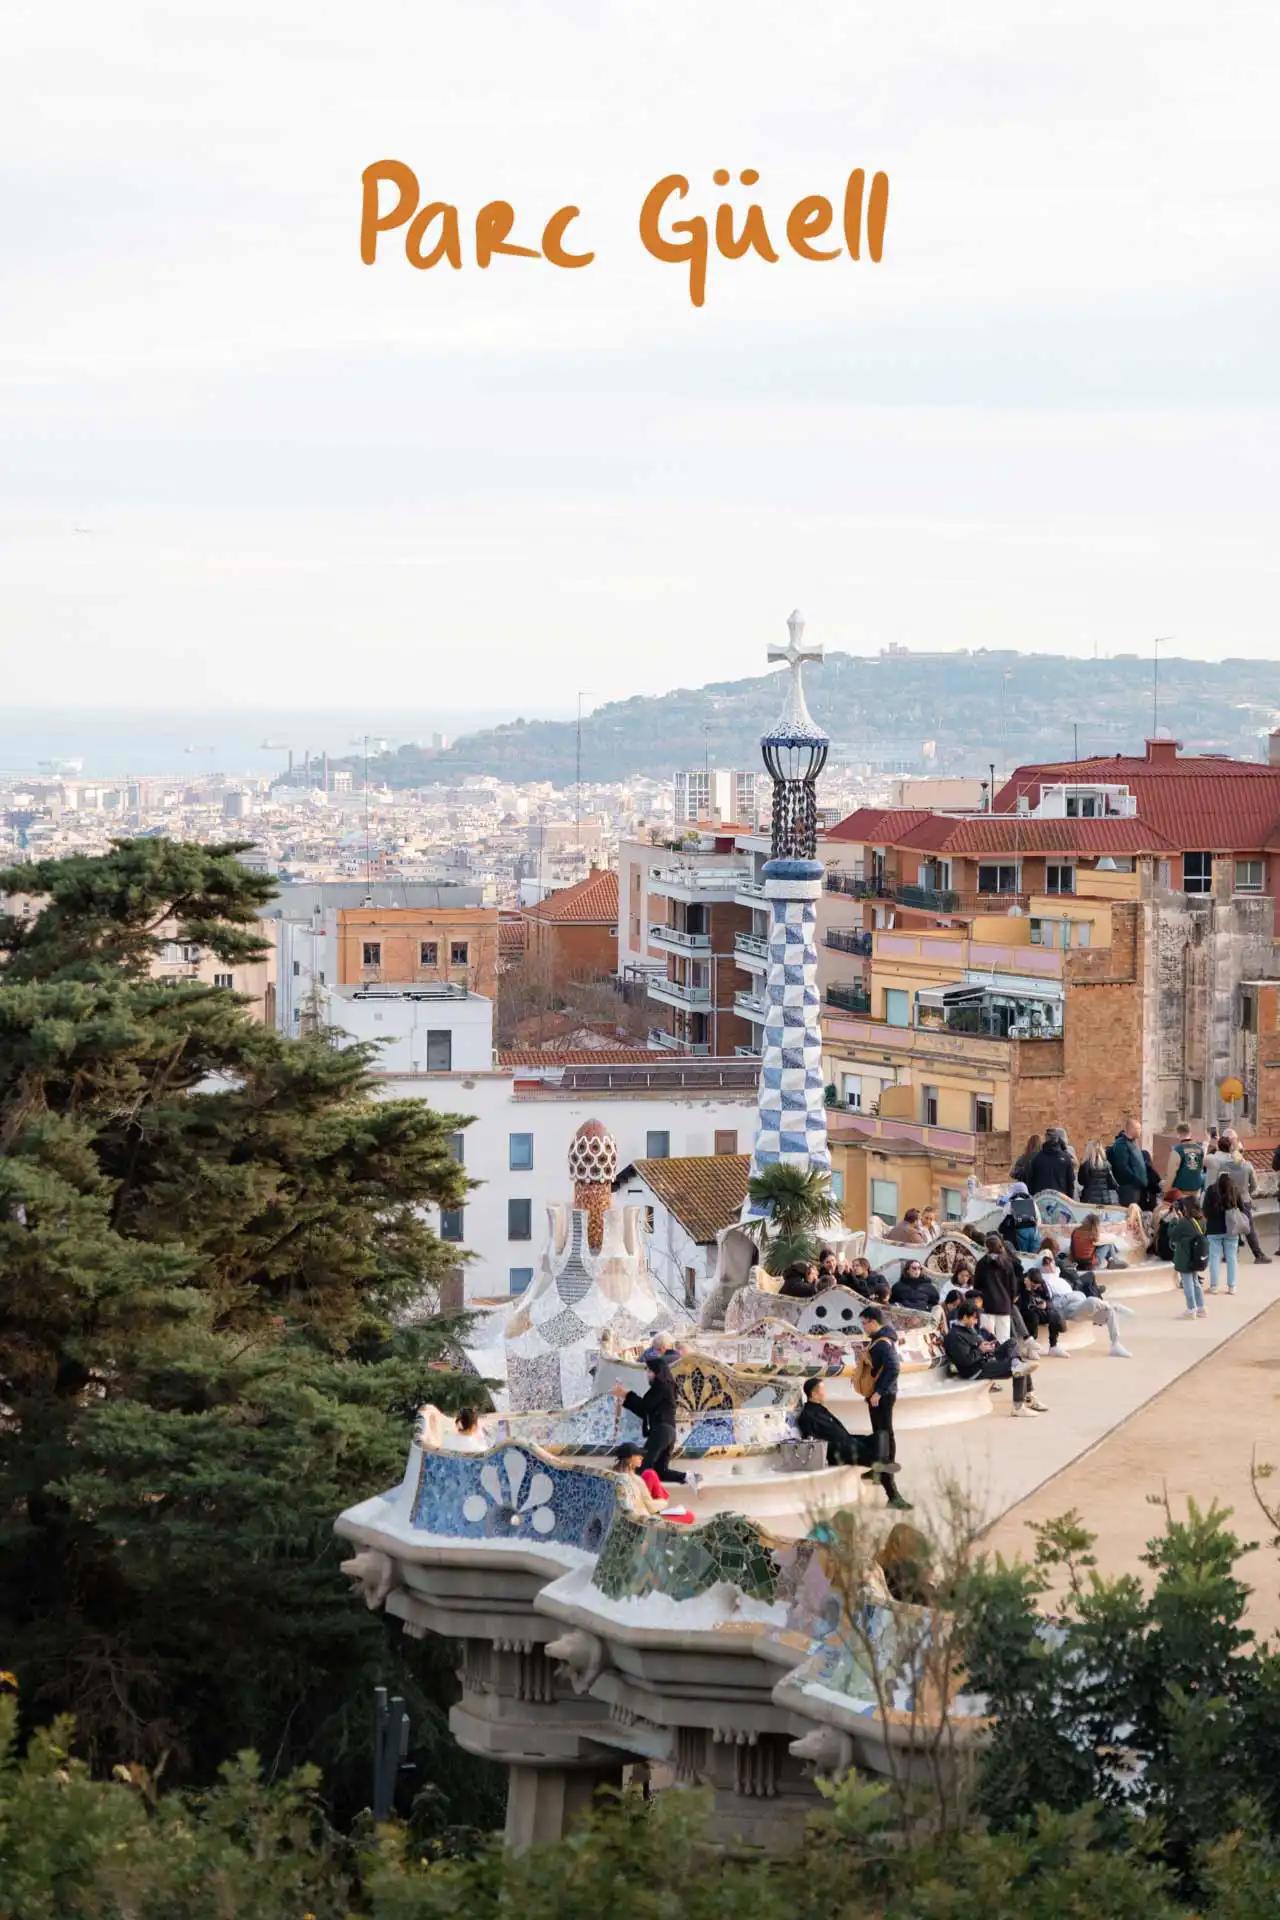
(594, 1430)
(511, 1494)
(791, 1122)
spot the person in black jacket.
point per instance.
(815, 1421)
(656, 1410)
(883, 1353)
(1052, 1170)
(996, 1279)
(914, 1289)
(973, 1355)
(802, 1281)
(1035, 1304)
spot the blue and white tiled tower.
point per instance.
(791, 1123)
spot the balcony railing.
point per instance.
(672, 1043)
(754, 945)
(679, 992)
(747, 1053)
(720, 881)
(752, 1006)
(679, 941)
(848, 940)
(848, 999)
(853, 883)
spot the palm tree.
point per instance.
(796, 1201)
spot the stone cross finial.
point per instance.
(796, 653)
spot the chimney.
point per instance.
(1162, 753)
(1273, 747)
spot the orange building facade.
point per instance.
(402, 946)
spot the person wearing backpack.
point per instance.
(1189, 1246)
(1020, 1227)
(1185, 1171)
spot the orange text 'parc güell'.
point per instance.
(815, 228)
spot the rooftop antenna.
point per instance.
(584, 693)
(1075, 735)
(1156, 645)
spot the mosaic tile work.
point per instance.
(791, 1123)
(840, 1307)
(511, 1493)
(595, 1429)
(642, 1557)
(1062, 1216)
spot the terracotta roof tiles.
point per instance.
(593, 900)
(705, 1191)
(579, 1057)
(1201, 802)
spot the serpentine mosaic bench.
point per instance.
(835, 1313)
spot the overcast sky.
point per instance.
(238, 466)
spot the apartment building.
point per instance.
(716, 796)
(573, 932)
(1084, 874)
(708, 919)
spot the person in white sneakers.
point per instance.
(1078, 1306)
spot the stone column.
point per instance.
(791, 1122)
(544, 1802)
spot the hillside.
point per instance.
(976, 706)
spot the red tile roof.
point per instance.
(581, 1057)
(1014, 833)
(878, 826)
(1205, 802)
(593, 900)
(705, 1191)
(512, 935)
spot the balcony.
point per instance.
(848, 940)
(747, 1053)
(750, 893)
(692, 884)
(851, 883)
(678, 993)
(751, 951)
(752, 1007)
(672, 1043)
(848, 999)
(676, 940)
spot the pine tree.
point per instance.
(208, 1236)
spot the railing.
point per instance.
(688, 996)
(699, 879)
(751, 1005)
(853, 883)
(754, 889)
(848, 999)
(677, 937)
(755, 944)
(672, 1043)
(846, 940)
(747, 1053)
(931, 899)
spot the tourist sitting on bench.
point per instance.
(815, 1421)
(1035, 1304)
(649, 1491)
(1073, 1303)
(914, 1289)
(974, 1355)
(862, 1278)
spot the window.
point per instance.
(439, 1050)
(1058, 879)
(458, 952)
(1197, 872)
(371, 954)
(983, 1115)
(929, 1106)
(837, 1186)
(451, 1223)
(320, 977)
(223, 979)
(1037, 933)
(952, 1203)
(428, 953)
(519, 1219)
(853, 1092)
(657, 1146)
(726, 1140)
(897, 1007)
(457, 1147)
(520, 1152)
(1164, 873)
(1248, 876)
(1084, 934)
(690, 1287)
(1248, 1013)
(297, 968)
(997, 878)
(884, 1198)
(518, 1278)
(1195, 1098)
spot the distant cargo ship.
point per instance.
(60, 766)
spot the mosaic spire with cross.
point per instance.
(791, 1119)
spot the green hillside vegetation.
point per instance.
(869, 705)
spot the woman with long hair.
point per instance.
(1097, 1182)
(1221, 1200)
